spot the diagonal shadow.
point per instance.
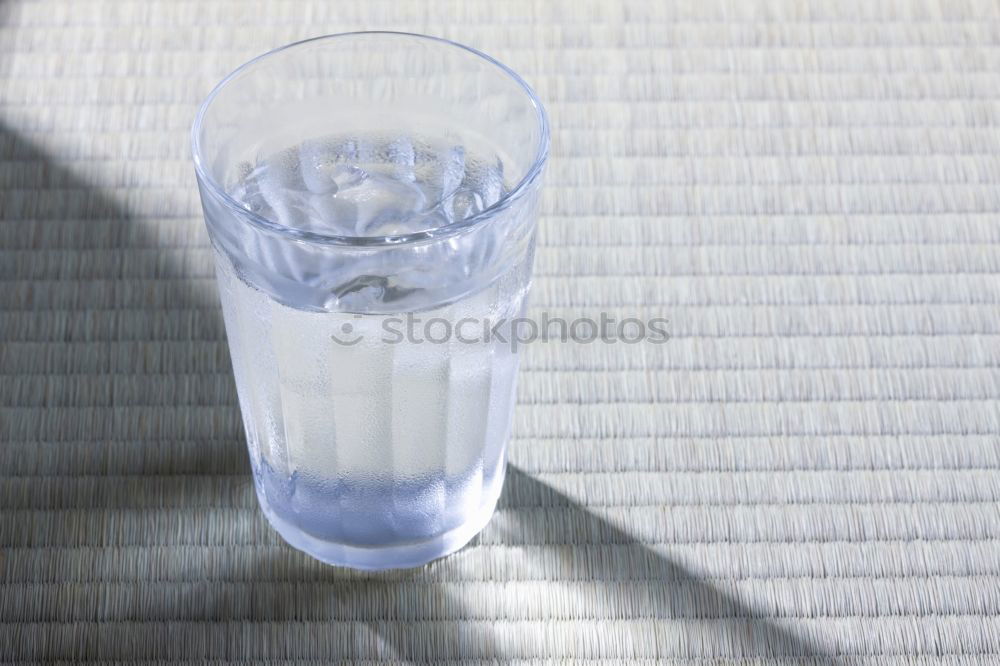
(206, 578)
(102, 416)
(421, 617)
(122, 326)
(730, 625)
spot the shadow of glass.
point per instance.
(435, 613)
(718, 622)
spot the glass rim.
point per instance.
(445, 231)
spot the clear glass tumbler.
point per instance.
(371, 200)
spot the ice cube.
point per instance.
(333, 215)
(318, 159)
(385, 205)
(439, 171)
(346, 176)
(402, 156)
(279, 181)
(282, 170)
(452, 170)
(486, 179)
(465, 203)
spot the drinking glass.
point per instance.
(371, 199)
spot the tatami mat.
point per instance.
(808, 470)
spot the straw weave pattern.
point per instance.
(808, 471)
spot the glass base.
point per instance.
(400, 556)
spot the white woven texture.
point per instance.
(809, 470)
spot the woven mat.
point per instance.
(809, 469)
